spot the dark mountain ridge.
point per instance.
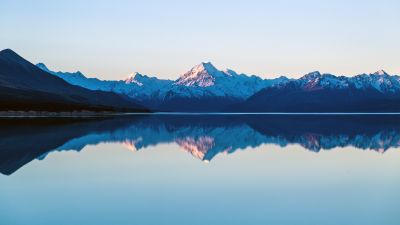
(23, 86)
(327, 93)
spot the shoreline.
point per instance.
(39, 114)
(34, 114)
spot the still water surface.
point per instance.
(213, 169)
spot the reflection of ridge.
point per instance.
(22, 140)
(202, 136)
(131, 144)
(202, 142)
(198, 148)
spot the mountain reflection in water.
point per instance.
(203, 136)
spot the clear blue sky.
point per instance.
(111, 39)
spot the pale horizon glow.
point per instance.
(112, 39)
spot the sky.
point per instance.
(112, 39)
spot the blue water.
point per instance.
(176, 169)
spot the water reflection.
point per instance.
(22, 140)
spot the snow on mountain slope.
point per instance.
(203, 80)
(206, 82)
(135, 86)
(316, 80)
(380, 80)
(210, 81)
(142, 86)
(202, 75)
(77, 78)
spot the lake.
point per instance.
(201, 169)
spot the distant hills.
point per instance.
(204, 88)
(25, 87)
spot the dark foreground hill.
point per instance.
(25, 87)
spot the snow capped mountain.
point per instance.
(206, 80)
(311, 76)
(381, 73)
(134, 78)
(380, 81)
(135, 86)
(206, 88)
(316, 92)
(142, 86)
(316, 80)
(202, 75)
(146, 81)
(203, 80)
(77, 78)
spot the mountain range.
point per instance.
(316, 92)
(25, 87)
(203, 88)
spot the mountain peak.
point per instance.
(312, 75)
(42, 66)
(135, 78)
(135, 75)
(204, 66)
(201, 75)
(77, 74)
(11, 55)
(381, 73)
(8, 52)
